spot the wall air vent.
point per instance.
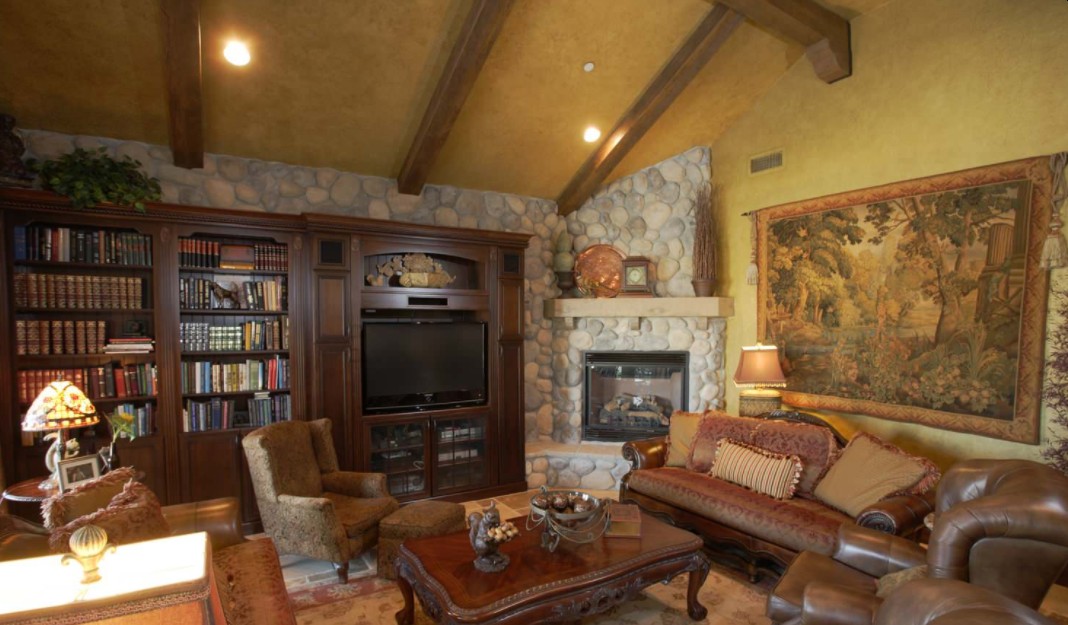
(765, 162)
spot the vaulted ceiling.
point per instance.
(347, 83)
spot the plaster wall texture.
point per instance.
(937, 86)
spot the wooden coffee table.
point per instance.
(538, 586)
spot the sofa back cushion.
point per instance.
(871, 469)
(681, 433)
(714, 426)
(814, 444)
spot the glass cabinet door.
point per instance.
(460, 453)
(399, 451)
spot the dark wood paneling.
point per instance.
(333, 395)
(212, 465)
(511, 431)
(332, 306)
(146, 454)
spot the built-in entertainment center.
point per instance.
(408, 337)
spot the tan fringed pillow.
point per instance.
(681, 430)
(869, 470)
(62, 508)
(132, 516)
(892, 581)
(759, 470)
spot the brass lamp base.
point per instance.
(755, 402)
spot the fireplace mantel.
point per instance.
(639, 307)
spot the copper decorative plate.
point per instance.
(599, 270)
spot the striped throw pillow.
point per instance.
(759, 470)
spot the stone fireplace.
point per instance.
(631, 395)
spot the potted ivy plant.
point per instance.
(89, 177)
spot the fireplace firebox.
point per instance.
(631, 395)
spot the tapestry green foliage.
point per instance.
(89, 177)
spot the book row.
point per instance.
(54, 290)
(45, 337)
(100, 382)
(223, 414)
(204, 254)
(268, 294)
(247, 336)
(82, 245)
(251, 375)
(143, 418)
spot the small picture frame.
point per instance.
(74, 471)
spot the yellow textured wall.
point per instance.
(937, 86)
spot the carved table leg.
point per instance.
(698, 575)
(406, 615)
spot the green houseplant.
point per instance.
(88, 177)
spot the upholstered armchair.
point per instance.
(1001, 525)
(308, 506)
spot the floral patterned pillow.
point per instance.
(132, 516)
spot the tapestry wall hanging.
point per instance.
(919, 301)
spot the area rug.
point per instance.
(371, 601)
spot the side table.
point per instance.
(29, 491)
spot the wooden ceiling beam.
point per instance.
(673, 78)
(824, 33)
(181, 51)
(472, 48)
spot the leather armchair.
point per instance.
(999, 525)
(953, 602)
(308, 506)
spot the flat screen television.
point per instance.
(423, 365)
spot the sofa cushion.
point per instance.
(796, 524)
(62, 508)
(869, 470)
(761, 471)
(131, 516)
(681, 431)
(714, 426)
(815, 445)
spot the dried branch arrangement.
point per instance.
(704, 237)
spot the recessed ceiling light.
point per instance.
(592, 134)
(588, 67)
(237, 53)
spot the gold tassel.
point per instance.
(1055, 249)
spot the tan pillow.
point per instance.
(868, 470)
(681, 430)
(132, 516)
(87, 498)
(892, 581)
(759, 470)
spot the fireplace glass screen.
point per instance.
(631, 395)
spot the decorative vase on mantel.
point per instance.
(703, 287)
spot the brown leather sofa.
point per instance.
(953, 602)
(760, 533)
(247, 572)
(1001, 525)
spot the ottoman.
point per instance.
(422, 518)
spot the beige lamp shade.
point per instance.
(60, 406)
(759, 368)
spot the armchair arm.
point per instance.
(902, 515)
(218, 517)
(310, 526)
(953, 602)
(830, 604)
(21, 539)
(876, 553)
(647, 453)
(356, 484)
